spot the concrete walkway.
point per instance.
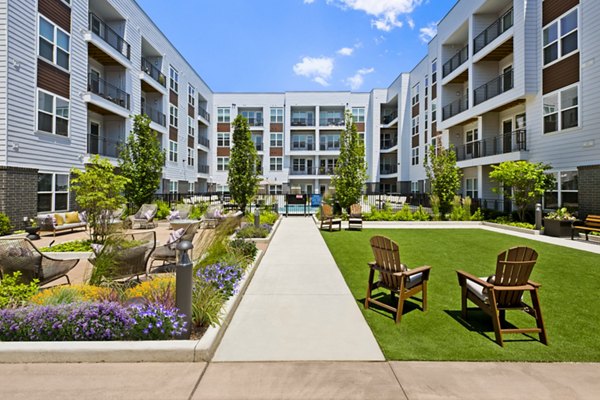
(298, 306)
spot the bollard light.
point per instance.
(538, 216)
(184, 284)
(256, 217)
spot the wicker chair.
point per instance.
(183, 212)
(19, 254)
(168, 252)
(130, 260)
(144, 218)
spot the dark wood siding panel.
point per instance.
(191, 111)
(415, 141)
(173, 98)
(191, 142)
(561, 74)
(276, 152)
(360, 126)
(53, 79)
(415, 110)
(434, 131)
(223, 151)
(552, 9)
(276, 127)
(433, 92)
(172, 133)
(57, 12)
(223, 127)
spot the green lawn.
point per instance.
(570, 297)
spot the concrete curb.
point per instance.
(512, 228)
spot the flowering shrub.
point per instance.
(155, 322)
(159, 290)
(71, 294)
(246, 250)
(224, 277)
(561, 214)
(13, 293)
(250, 231)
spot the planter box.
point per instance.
(557, 228)
(269, 236)
(511, 228)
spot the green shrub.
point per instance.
(5, 226)
(477, 216)
(73, 246)
(508, 221)
(245, 249)
(421, 215)
(461, 209)
(435, 207)
(163, 209)
(404, 214)
(251, 231)
(198, 210)
(207, 301)
(13, 293)
(266, 217)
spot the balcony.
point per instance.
(155, 115)
(455, 108)
(303, 171)
(203, 169)
(108, 91)
(332, 122)
(252, 122)
(106, 33)
(258, 145)
(502, 144)
(455, 61)
(493, 88)
(103, 146)
(325, 170)
(388, 143)
(330, 146)
(303, 146)
(204, 141)
(387, 169)
(496, 29)
(388, 118)
(153, 72)
(204, 114)
(303, 121)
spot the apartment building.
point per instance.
(502, 80)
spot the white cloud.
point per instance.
(309, 1)
(357, 80)
(345, 51)
(318, 69)
(386, 12)
(410, 22)
(428, 32)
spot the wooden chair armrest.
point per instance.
(373, 265)
(423, 269)
(577, 223)
(512, 288)
(534, 284)
(462, 276)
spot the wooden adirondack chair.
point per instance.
(504, 291)
(355, 218)
(327, 219)
(394, 276)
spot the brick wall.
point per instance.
(589, 190)
(18, 194)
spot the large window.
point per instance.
(415, 126)
(561, 109)
(415, 156)
(222, 163)
(192, 187)
(53, 192)
(415, 94)
(173, 187)
(275, 189)
(276, 115)
(173, 149)
(276, 163)
(191, 127)
(223, 139)
(471, 188)
(173, 116)
(276, 139)
(173, 79)
(565, 191)
(191, 156)
(434, 72)
(255, 118)
(52, 113)
(54, 43)
(224, 114)
(191, 96)
(560, 37)
(472, 142)
(358, 114)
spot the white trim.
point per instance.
(559, 110)
(561, 56)
(54, 43)
(54, 116)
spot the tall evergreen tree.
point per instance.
(141, 160)
(444, 176)
(242, 178)
(351, 169)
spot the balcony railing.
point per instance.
(255, 122)
(258, 146)
(155, 115)
(303, 171)
(303, 122)
(456, 61)
(303, 146)
(203, 140)
(502, 144)
(386, 169)
(388, 118)
(103, 146)
(154, 72)
(456, 107)
(203, 169)
(329, 147)
(497, 28)
(99, 27)
(332, 122)
(108, 91)
(388, 143)
(325, 170)
(204, 114)
(496, 86)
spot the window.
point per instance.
(53, 192)
(433, 111)
(434, 72)
(52, 114)
(222, 163)
(223, 139)
(173, 116)
(173, 187)
(54, 43)
(471, 188)
(561, 109)
(415, 94)
(276, 163)
(565, 192)
(276, 115)
(329, 142)
(173, 151)
(414, 187)
(415, 156)
(358, 113)
(426, 85)
(275, 189)
(173, 79)
(190, 156)
(276, 139)
(472, 142)
(303, 142)
(191, 127)
(224, 114)
(254, 117)
(415, 126)
(192, 187)
(191, 95)
(560, 37)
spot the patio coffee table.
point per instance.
(182, 223)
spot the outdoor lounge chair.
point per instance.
(394, 276)
(168, 253)
(355, 218)
(212, 217)
(130, 252)
(327, 218)
(181, 211)
(504, 291)
(144, 218)
(21, 255)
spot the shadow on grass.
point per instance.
(409, 305)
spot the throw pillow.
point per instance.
(173, 215)
(72, 217)
(83, 216)
(60, 220)
(175, 235)
(148, 215)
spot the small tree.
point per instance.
(141, 160)
(351, 169)
(98, 192)
(444, 176)
(522, 181)
(242, 178)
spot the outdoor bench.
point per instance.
(591, 224)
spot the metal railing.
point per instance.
(305, 146)
(204, 141)
(204, 114)
(455, 61)
(388, 143)
(456, 107)
(502, 144)
(155, 115)
(108, 91)
(258, 146)
(496, 86)
(386, 169)
(153, 72)
(303, 171)
(331, 122)
(203, 169)
(327, 147)
(255, 122)
(303, 122)
(496, 28)
(103, 146)
(388, 118)
(106, 33)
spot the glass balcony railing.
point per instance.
(502, 144)
(302, 121)
(153, 72)
(497, 28)
(455, 108)
(155, 115)
(389, 117)
(108, 91)
(204, 114)
(103, 146)
(493, 88)
(336, 121)
(388, 143)
(204, 141)
(203, 169)
(106, 33)
(387, 169)
(455, 61)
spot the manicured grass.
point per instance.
(570, 297)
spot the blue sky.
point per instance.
(287, 45)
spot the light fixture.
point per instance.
(15, 146)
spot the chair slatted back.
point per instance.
(387, 257)
(355, 210)
(326, 211)
(593, 221)
(513, 268)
